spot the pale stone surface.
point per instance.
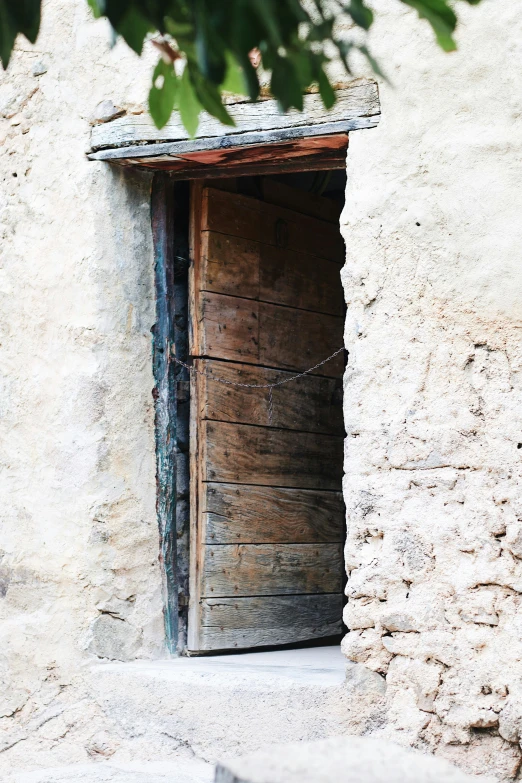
(433, 399)
(199, 708)
(341, 760)
(180, 771)
(106, 111)
(432, 281)
(78, 530)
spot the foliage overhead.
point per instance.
(212, 47)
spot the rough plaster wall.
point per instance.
(433, 394)
(432, 400)
(79, 574)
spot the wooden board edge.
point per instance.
(196, 207)
(359, 105)
(215, 640)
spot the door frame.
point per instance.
(170, 211)
(262, 141)
(174, 205)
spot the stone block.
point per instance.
(341, 760)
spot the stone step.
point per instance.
(179, 771)
(232, 704)
(342, 760)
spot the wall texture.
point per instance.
(433, 477)
(433, 392)
(79, 573)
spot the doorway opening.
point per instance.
(259, 516)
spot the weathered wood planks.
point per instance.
(285, 196)
(246, 330)
(304, 154)
(247, 622)
(357, 106)
(266, 506)
(271, 569)
(240, 454)
(249, 218)
(237, 514)
(252, 270)
(311, 403)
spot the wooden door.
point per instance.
(267, 518)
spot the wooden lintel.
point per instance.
(264, 169)
(263, 141)
(357, 106)
(303, 154)
(181, 148)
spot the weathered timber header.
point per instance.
(263, 138)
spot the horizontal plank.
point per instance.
(241, 454)
(263, 158)
(335, 144)
(230, 623)
(246, 268)
(163, 152)
(238, 329)
(299, 339)
(250, 514)
(229, 265)
(250, 218)
(311, 403)
(284, 166)
(359, 101)
(228, 328)
(283, 195)
(271, 569)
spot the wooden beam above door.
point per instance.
(312, 154)
(263, 140)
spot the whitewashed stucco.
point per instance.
(433, 284)
(78, 532)
(433, 486)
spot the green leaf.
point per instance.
(133, 26)
(344, 48)
(209, 48)
(17, 16)
(360, 14)
(234, 81)
(321, 31)
(28, 15)
(209, 96)
(302, 61)
(163, 93)
(189, 106)
(266, 13)
(8, 33)
(178, 29)
(441, 17)
(285, 85)
(250, 76)
(96, 8)
(325, 89)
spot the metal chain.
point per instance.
(269, 386)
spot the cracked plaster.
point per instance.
(432, 403)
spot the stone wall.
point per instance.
(79, 573)
(433, 230)
(433, 397)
